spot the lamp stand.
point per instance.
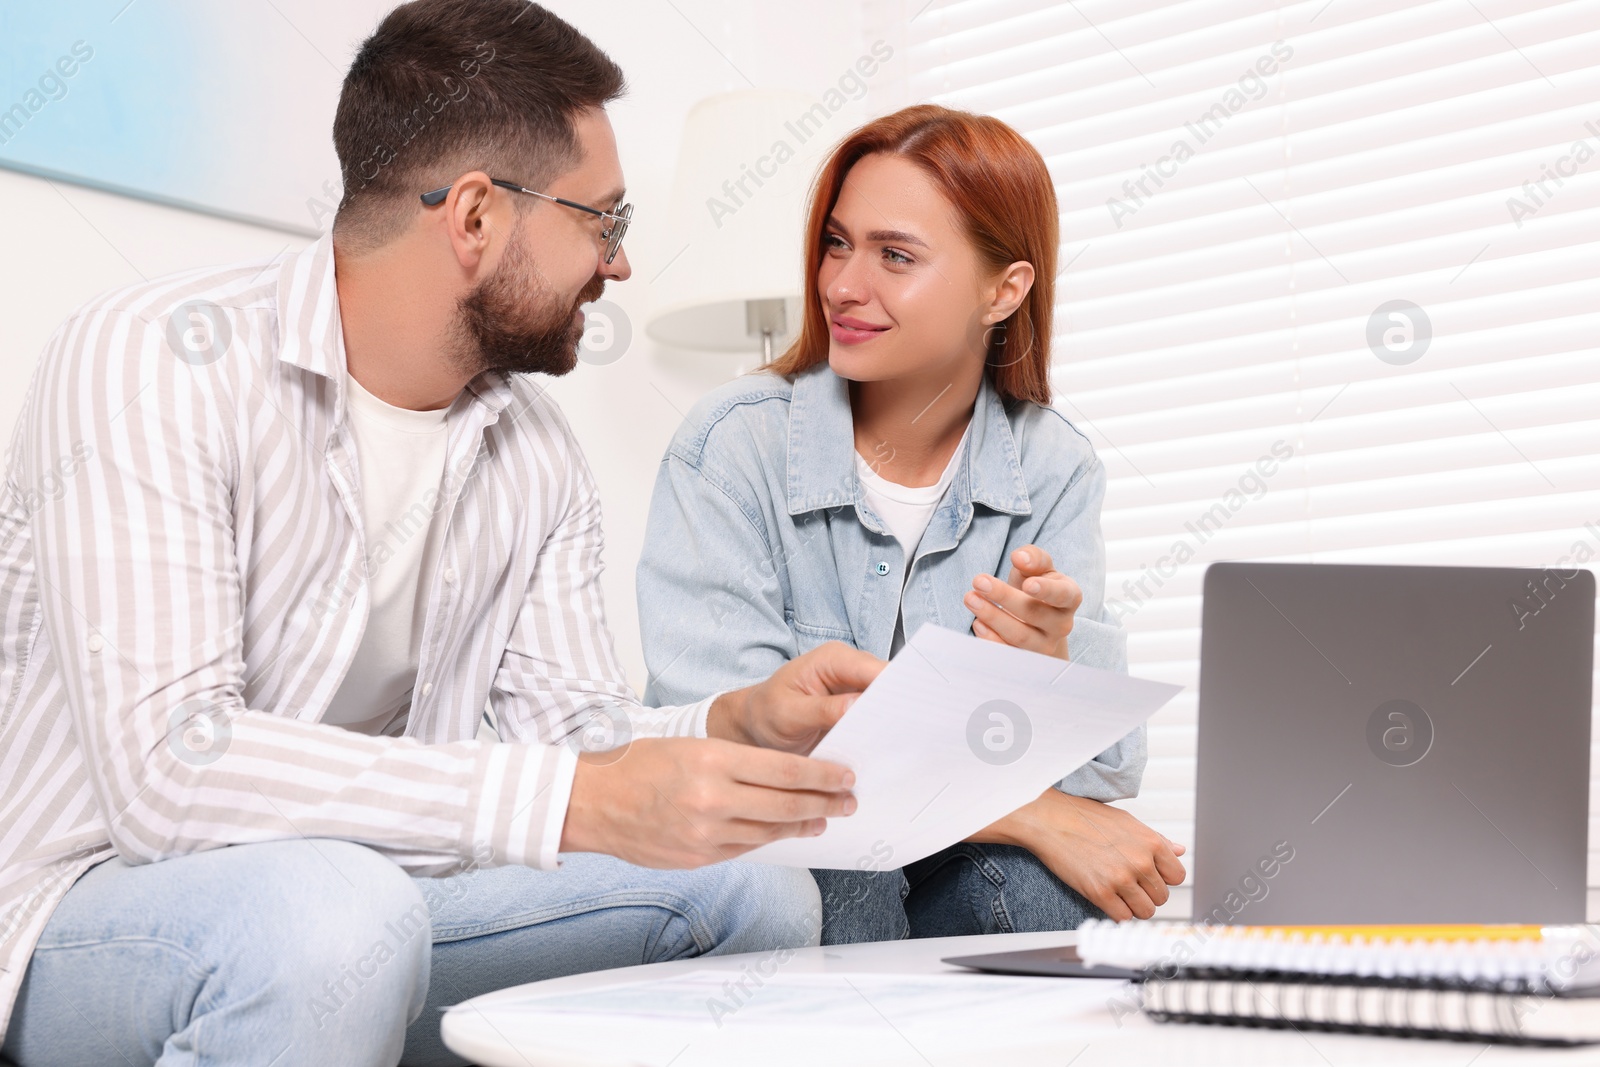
(765, 319)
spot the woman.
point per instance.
(899, 464)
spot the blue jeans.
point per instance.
(325, 952)
(965, 889)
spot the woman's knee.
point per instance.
(1026, 895)
(862, 906)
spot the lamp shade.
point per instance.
(738, 219)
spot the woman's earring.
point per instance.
(989, 343)
(1000, 346)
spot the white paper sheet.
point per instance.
(762, 1014)
(834, 999)
(955, 733)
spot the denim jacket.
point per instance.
(760, 545)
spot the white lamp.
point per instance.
(738, 213)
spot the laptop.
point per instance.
(1393, 744)
(1388, 744)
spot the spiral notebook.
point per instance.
(1518, 984)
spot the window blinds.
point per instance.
(1328, 285)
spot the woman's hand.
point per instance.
(1121, 865)
(1032, 609)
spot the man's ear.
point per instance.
(466, 218)
(1013, 287)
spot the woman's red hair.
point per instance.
(1001, 191)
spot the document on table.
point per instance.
(955, 733)
(763, 1013)
(809, 999)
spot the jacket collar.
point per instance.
(821, 456)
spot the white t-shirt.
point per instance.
(402, 456)
(907, 510)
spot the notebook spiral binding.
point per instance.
(1439, 1008)
(1505, 983)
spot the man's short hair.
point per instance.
(447, 86)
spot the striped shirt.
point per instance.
(183, 585)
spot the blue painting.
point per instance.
(224, 108)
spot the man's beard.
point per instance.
(510, 321)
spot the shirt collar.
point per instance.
(821, 457)
(312, 332)
(309, 333)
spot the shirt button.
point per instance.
(449, 576)
(882, 568)
(427, 687)
(96, 643)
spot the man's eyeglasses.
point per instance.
(612, 234)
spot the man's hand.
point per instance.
(687, 802)
(1121, 865)
(1033, 609)
(799, 704)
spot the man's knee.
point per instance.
(353, 932)
(323, 944)
(769, 907)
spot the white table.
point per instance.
(1085, 1034)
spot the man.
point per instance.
(273, 537)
